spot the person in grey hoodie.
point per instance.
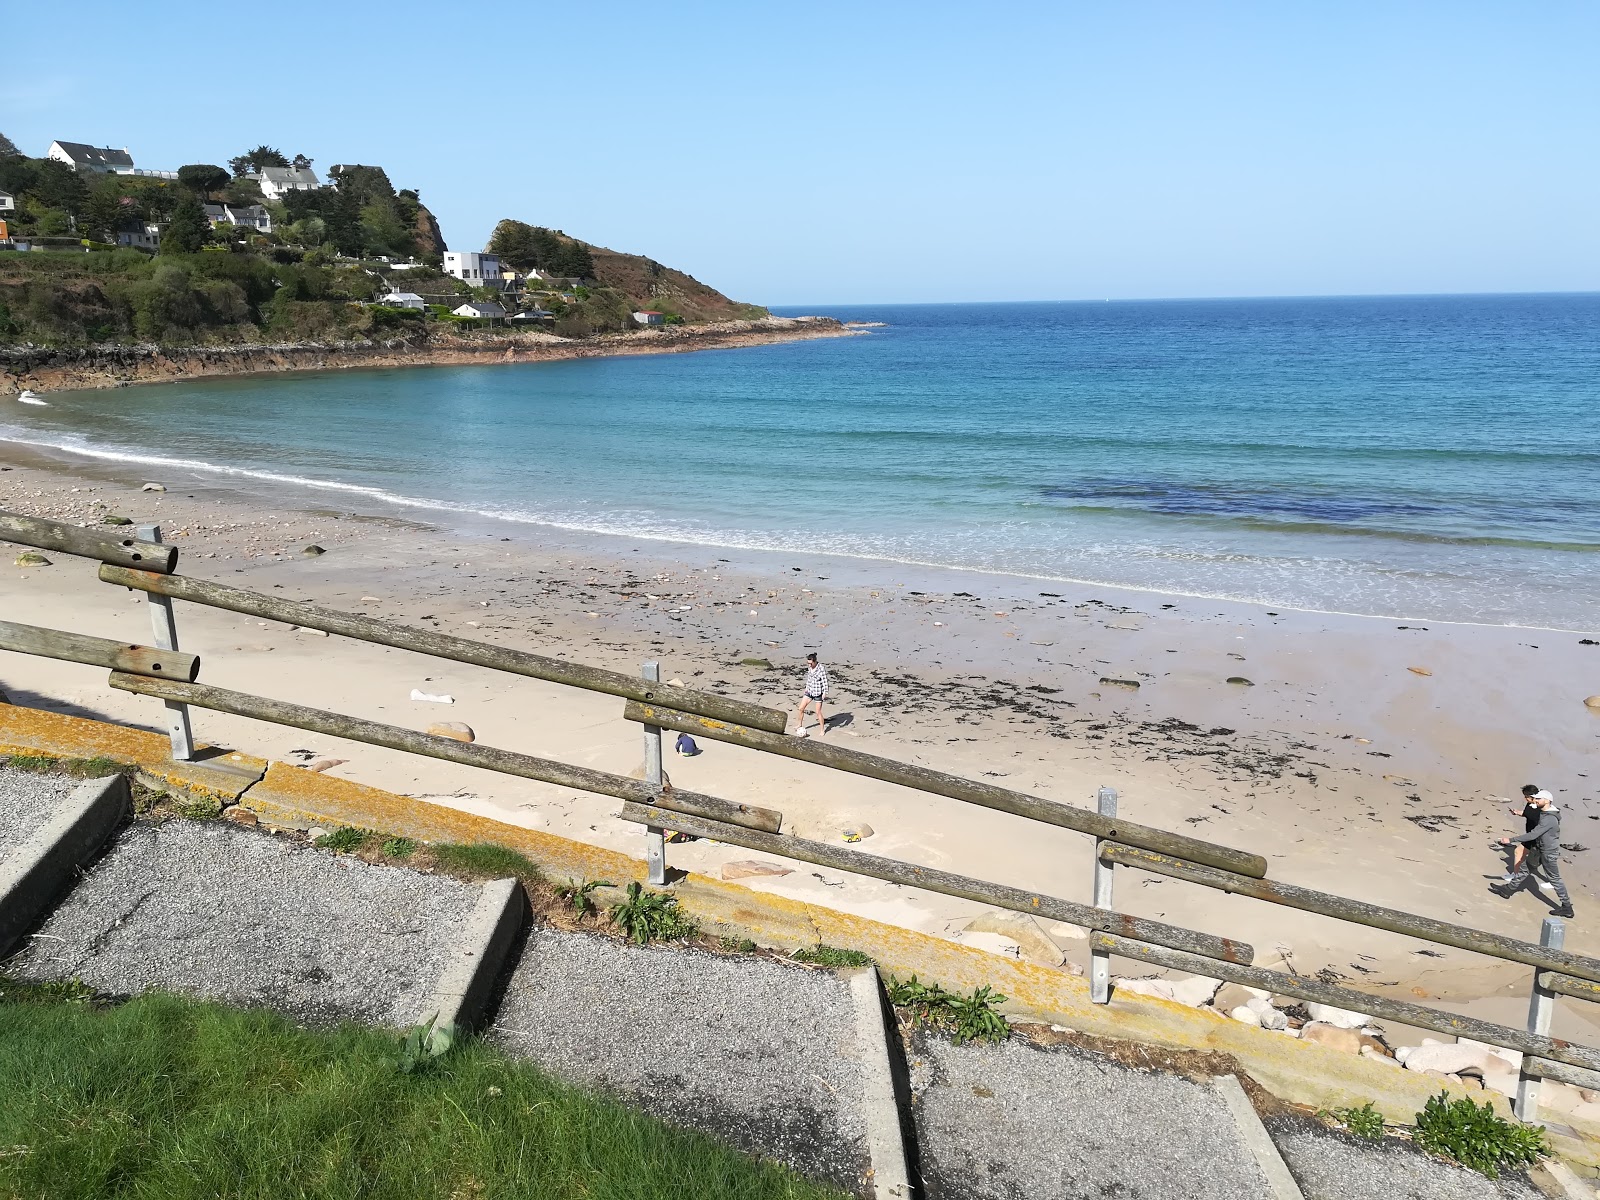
(1543, 840)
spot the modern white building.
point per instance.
(146, 236)
(277, 182)
(251, 216)
(8, 202)
(649, 318)
(404, 300)
(477, 269)
(482, 310)
(92, 160)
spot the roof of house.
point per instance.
(401, 296)
(533, 314)
(96, 156)
(301, 176)
(483, 308)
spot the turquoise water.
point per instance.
(1434, 457)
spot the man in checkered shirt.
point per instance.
(815, 692)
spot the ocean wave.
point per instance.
(652, 527)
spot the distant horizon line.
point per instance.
(1187, 299)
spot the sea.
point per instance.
(1430, 457)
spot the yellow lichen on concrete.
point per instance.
(217, 774)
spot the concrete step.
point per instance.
(760, 1054)
(237, 915)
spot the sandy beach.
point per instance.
(1365, 756)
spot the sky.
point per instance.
(909, 152)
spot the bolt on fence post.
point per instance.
(1541, 1006)
(165, 625)
(655, 839)
(1100, 960)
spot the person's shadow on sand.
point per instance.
(838, 721)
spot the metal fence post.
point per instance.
(165, 625)
(1541, 1006)
(655, 838)
(1100, 960)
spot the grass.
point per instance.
(484, 860)
(184, 1100)
(1477, 1137)
(964, 1018)
(76, 768)
(832, 956)
(346, 839)
(1365, 1121)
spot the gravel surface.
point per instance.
(1013, 1122)
(761, 1055)
(236, 915)
(1334, 1166)
(26, 802)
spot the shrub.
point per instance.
(965, 1018)
(650, 916)
(1477, 1137)
(1365, 1122)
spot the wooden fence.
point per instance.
(162, 672)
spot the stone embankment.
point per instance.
(43, 368)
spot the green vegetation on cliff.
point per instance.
(312, 268)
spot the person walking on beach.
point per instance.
(1544, 842)
(816, 690)
(1531, 813)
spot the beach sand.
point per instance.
(1348, 770)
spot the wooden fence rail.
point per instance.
(439, 645)
(120, 550)
(932, 880)
(939, 783)
(97, 652)
(507, 762)
(1360, 913)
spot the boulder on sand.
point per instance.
(1194, 991)
(1034, 944)
(458, 731)
(1341, 1017)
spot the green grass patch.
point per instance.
(174, 1098)
(346, 839)
(739, 945)
(399, 847)
(485, 860)
(1477, 1136)
(964, 1018)
(832, 956)
(76, 768)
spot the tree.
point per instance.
(516, 243)
(56, 185)
(253, 160)
(203, 178)
(104, 212)
(8, 148)
(302, 163)
(188, 230)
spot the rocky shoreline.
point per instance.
(52, 369)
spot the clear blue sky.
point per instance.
(819, 152)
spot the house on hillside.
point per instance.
(532, 316)
(92, 160)
(649, 318)
(277, 182)
(478, 269)
(404, 300)
(144, 236)
(481, 310)
(8, 202)
(251, 216)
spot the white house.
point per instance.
(8, 202)
(649, 318)
(93, 160)
(482, 310)
(404, 300)
(146, 236)
(277, 182)
(472, 268)
(529, 316)
(251, 216)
